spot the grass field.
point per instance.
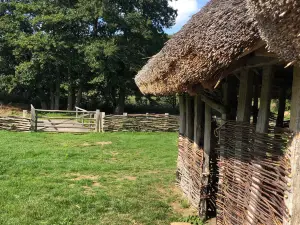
(110, 178)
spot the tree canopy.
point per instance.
(51, 50)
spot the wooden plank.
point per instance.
(245, 96)
(207, 149)
(198, 121)
(189, 117)
(213, 104)
(293, 195)
(182, 119)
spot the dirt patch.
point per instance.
(96, 144)
(180, 205)
(185, 212)
(212, 221)
(104, 143)
(180, 223)
(85, 177)
(86, 144)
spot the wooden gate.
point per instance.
(78, 121)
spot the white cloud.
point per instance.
(186, 8)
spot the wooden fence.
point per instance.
(141, 123)
(14, 123)
(82, 121)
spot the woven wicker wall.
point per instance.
(253, 171)
(189, 170)
(14, 123)
(141, 122)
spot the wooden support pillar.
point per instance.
(293, 196)
(281, 107)
(229, 90)
(261, 127)
(198, 121)
(245, 96)
(265, 101)
(182, 119)
(255, 98)
(189, 118)
(206, 163)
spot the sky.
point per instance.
(186, 8)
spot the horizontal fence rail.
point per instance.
(82, 121)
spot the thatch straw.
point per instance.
(198, 54)
(279, 25)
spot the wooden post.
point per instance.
(102, 116)
(198, 121)
(261, 127)
(207, 149)
(25, 113)
(281, 107)
(245, 96)
(293, 196)
(189, 118)
(34, 119)
(182, 109)
(97, 121)
(265, 101)
(255, 98)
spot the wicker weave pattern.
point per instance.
(253, 171)
(142, 122)
(189, 173)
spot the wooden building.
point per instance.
(236, 161)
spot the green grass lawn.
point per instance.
(110, 178)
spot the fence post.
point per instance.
(98, 117)
(76, 113)
(102, 116)
(33, 120)
(25, 113)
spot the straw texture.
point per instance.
(198, 54)
(279, 25)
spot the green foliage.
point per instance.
(77, 42)
(194, 220)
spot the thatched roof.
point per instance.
(279, 25)
(214, 38)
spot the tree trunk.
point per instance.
(44, 105)
(57, 93)
(119, 110)
(79, 96)
(52, 94)
(70, 97)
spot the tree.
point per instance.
(55, 49)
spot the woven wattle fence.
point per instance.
(141, 122)
(189, 170)
(14, 123)
(253, 176)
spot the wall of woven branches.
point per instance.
(253, 175)
(141, 123)
(14, 123)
